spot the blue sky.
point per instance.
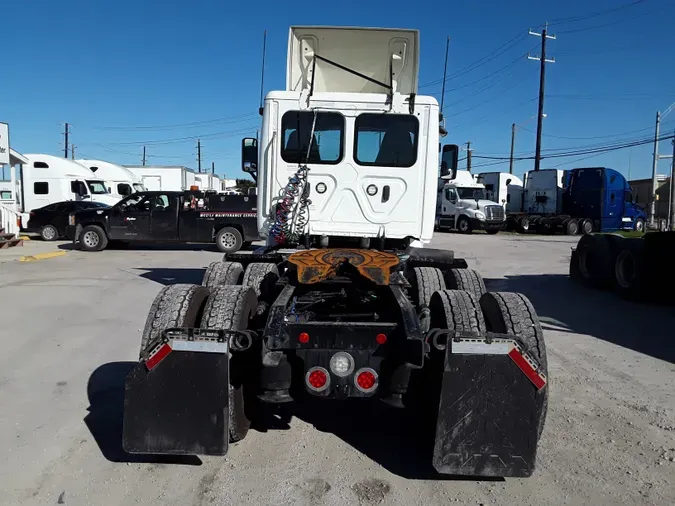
(188, 69)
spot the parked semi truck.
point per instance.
(118, 179)
(581, 200)
(345, 301)
(462, 204)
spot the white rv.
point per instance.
(163, 177)
(503, 188)
(118, 179)
(463, 204)
(46, 179)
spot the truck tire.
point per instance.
(571, 227)
(629, 269)
(93, 238)
(456, 310)
(465, 279)
(586, 226)
(230, 308)
(424, 282)
(595, 255)
(261, 277)
(175, 306)
(639, 225)
(229, 240)
(524, 225)
(464, 225)
(49, 233)
(223, 273)
(513, 313)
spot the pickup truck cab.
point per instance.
(169, 216)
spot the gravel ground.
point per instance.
(609, 436)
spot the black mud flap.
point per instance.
(491, 404)
(179, 406)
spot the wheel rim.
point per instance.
(639, 226)
(463, 225)
(90, 239)
(624, 269)
(525, 224)
(228, 240)
(588, 227)
(49, 233)
(573, 228)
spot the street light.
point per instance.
(513, 139)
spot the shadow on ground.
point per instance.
(104, 420)
(602, 314)
(169, 276)
(151, 246)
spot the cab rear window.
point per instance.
(326, 145)
(386, 140)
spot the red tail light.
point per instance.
(303, 337)
(381, 338)
(366, 380)
(317, 379)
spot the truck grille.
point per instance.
(494, 213)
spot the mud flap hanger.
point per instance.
(197, 340)
(489, 344)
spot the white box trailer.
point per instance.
(117, 178)
(543, 191)
(164, 177)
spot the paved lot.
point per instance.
(72, 325)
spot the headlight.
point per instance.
(480, 215)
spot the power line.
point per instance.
(617, 21)
(582, 17)
(192, 124)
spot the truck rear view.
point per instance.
(345, 301)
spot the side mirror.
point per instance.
(449, 160)
(249, 156)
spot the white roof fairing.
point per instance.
(369, 51)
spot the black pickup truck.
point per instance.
(169, 216)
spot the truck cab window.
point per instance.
(386, 140)
(451, 195)
(472, 193)
(135, 203)
(161, 203)
(124, 189)
(40, 188)
(97, 187)
(327, 142)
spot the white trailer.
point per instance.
(118, 179)
(504, 188)
(543, 191)
(47, 179)
(164, 177)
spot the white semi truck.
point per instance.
(346, 300)
(117, 178)
(463, 204)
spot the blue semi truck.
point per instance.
(586, 200)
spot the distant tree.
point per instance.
(244, 184)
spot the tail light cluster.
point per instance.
(342, 365)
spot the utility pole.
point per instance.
(513, 143)
(143, 159)
(542, 78)
(72, 151)
(65, 144)
(468, 156)
(199, 156)
(213, 167)
(671, 204)
(655, 163)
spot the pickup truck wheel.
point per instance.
(231, 308)
(229, 240)
(177, 305)
(223, 273)
(93, 238)
(49, 233)
(513, 313)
